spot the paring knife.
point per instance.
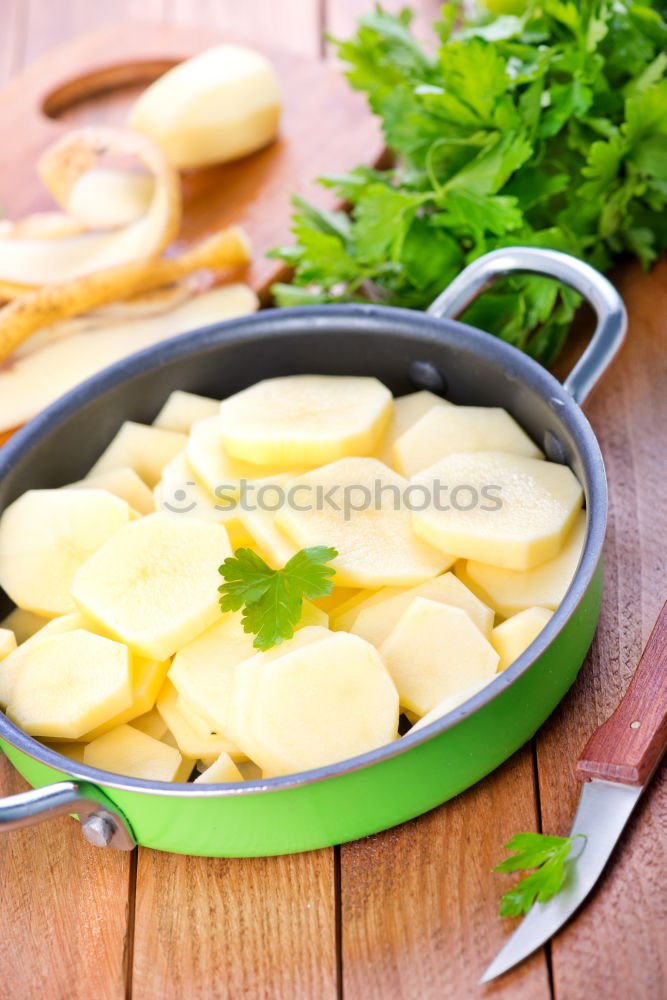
(615, 767)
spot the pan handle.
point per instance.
(598, 292)
(101, 822)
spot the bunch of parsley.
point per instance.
(548, 129)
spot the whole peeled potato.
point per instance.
(221, 104)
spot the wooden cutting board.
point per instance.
(325, 128)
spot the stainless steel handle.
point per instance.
(101, 822)
(600, 294)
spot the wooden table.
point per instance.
(410, 914)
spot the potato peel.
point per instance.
(31, 261)
(47, 305)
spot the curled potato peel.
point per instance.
(36, 261)
(228, 249)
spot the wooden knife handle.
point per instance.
(628, 746)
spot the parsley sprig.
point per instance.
(549, 856)
(548, 129)
(272, 599)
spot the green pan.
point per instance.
(406, 350)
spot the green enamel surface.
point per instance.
(361, 802)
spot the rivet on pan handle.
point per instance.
(101, 822)
(598, 292)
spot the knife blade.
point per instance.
(615, 768)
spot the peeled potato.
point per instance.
(69, 684)
(446, 429)
(216, 468)
(376, 617)
(7, 642)
(23, 623)
(46, 535)
(147, 679)
(514, 636)
(142, 448)
(156, 587)
(190, 742)
(510, 591)
(407, 411)
(376, 545)
(221, 104)
(122, 482)
(182, 409)
(449, 703)
(433, 651)
(305, 420)
(10, 665)
(305, 704)
(152, 724)
(126, 750)
(518, 526)
(221, 771)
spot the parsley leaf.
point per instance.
(547, 129)
(548, 856)
(272, 598)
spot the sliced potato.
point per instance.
(152, 724)
(377, 617)
(407, 411)
(147, 680)
(23, 623)
(514, 636)
(449, 703)
(343, 617)
(11, 664)
(335, 600)
(190, 742)
(202, 670)
(223, 770)
(74, 751)
(305, 420)
(301, 706)
(70, 683)
(446, 429)
(182, 409)
(510, 591)
(433, 651)
(46, 535)
(7, 642)
(519, 525)
(125, 750)
(372, 534)
(123, 483)
(156, 587)
(142, 448)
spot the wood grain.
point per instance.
(420, 903)
(619, 940)
(49, 24)
(290, 25)
(209, 929)
(12, 37)
(64, 913)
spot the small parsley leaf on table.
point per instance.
(272, 599)
(549, 856)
